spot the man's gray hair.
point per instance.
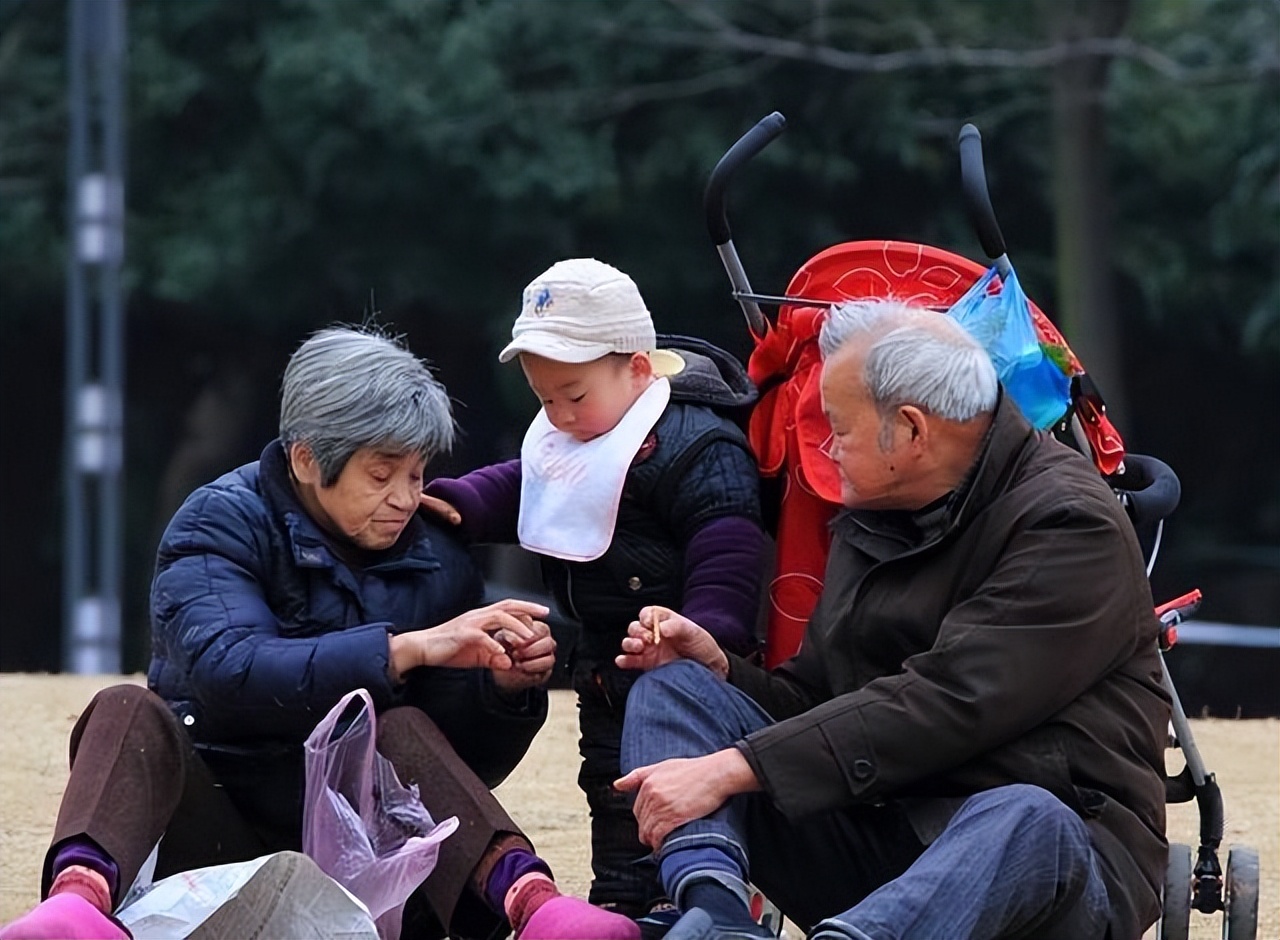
(351, 387)
(915, 357)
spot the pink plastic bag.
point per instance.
(361, 826)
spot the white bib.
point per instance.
(570, 489)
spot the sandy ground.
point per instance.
(38, 712)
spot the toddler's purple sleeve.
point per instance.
(488, 499)
(723, 567)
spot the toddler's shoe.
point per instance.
(697, 924)
(661, 917)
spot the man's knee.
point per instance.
(1052, 847)
(1036, 812)
(1036, 804)
(680, 682)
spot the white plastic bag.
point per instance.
(362, 827)
(280, 895)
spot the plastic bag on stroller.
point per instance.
(996, 313)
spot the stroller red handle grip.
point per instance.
(977, 199)
(1184, 606)
(747, 146)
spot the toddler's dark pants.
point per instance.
(624, 875)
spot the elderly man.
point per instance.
(970, 741)
(280, 587)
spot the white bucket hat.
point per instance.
(580, 310)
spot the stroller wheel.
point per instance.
(1175, 922)
(1240, 917)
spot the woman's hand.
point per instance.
(661, 636)
(471, 640)
(674, 792)
(531, 659)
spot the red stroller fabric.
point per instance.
(789, 432)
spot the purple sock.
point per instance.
(86, 852)
(510, 868)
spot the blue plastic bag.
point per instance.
(1001, 322)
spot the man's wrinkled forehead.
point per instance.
(843, 372)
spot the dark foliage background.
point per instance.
(288, 159)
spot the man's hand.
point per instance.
(677, 791)
(660, 636)
(439, 507)
(531, 659)
(469, 641)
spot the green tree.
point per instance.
(288, 158)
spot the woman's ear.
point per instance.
(303, 464)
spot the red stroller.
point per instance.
(789, 434)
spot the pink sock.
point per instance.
(89, 884)
(524, 897)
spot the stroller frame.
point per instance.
(1150, 495)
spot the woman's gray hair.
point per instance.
(915, 357)
(351, 387)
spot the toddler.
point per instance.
(635, 488)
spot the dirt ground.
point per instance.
(38, 712)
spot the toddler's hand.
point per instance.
(439, 508)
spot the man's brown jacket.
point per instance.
(1014, 642)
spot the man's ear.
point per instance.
(303, 463)
(915, 423)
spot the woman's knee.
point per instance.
(126, 697)
(408, 727)
(123, 710)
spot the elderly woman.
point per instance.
(279, 587)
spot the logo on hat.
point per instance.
(543, 302)
(579, 310)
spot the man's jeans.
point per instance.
(1013, 861)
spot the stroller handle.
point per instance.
(977, 198)
(1148, 487)
(747, 146)
(714, 201)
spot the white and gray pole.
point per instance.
(94, 450)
